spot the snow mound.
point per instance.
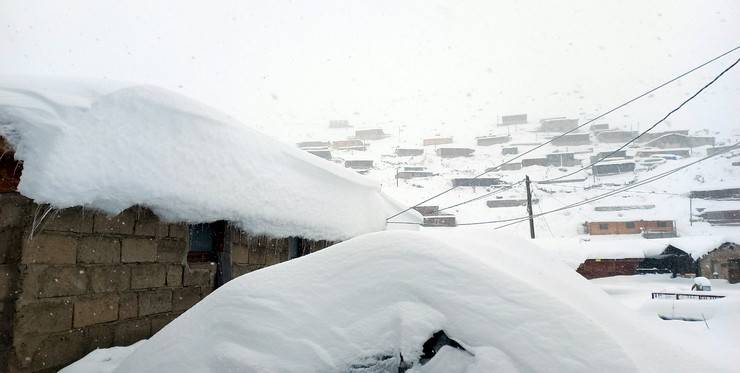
(110, 146)
(362, 304)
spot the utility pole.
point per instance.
(529, 207)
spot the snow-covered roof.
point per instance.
(575, 251)
(508, 303)
(110, 145)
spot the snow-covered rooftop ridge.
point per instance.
(576, 250)
(109, 146)
(512, 306)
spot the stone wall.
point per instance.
(718, 260)
(90, 281)
(78, 279)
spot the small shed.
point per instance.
(370, 134)
(606, 168)
(534, 162)
(492, 140)
(359, 164)
(350, 144)
(313, 144)
(572, 139)
(440, 220)
(721, 262)
(615, 136)
(562, 160)
(475, 182)
(455, 152)
(721, 217)
(560, 124)
(409, 152)
(513, 119)
(437, 141)
(677, 140)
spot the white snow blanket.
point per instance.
(359, 305)
(110, 146)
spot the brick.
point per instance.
(11, 241)
(122, 223)
(101, 250)
(155, 301)
(74, 219)
(239, 253)
(242, 269)
(47, 248)
(179, 231)
(172, 251)
(145, 276)
(131, 331)
(8, 278)
(148, 275)
(54, 281)
(184, 298)
(148, 224)
(174, 275)
(199, 275)
(104, 279)
(137, 250)
(14, 210)
(53, 352)
(44, 317)
(95, 310)
(128, 306)
(160, 321)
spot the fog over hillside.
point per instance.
(430, 64)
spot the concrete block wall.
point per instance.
(86, 280)
(719, 260)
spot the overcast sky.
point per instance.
(425, 63)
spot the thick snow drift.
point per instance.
(109, 146)
(359, 305)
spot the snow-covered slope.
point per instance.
(110, 146)
(345, 308)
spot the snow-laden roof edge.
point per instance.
(109, 146)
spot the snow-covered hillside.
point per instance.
(360, 305)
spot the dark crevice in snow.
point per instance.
(438, 340)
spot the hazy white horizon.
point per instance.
(436, 64)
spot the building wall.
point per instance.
(597, 268)
(85, 280)
(718, 260)
(620, 227)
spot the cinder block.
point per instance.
(105, 279)
(239, 253)
(14, 210)
(54, 281)
(43, 317)
(184, 298)
(148, 275)
(128, 306)
(242, 269)
(74, 219)
(141, 250)
(11, 241)
(174, 275)
(179, 231)
(160, 321)
(122, 223)
(8, 278)
(95, 310)
(148, 224)
(155, 301)
(99, 250)
(200, 275)
(46, 248)
(53, 352)
(131, 331)
(172, 251)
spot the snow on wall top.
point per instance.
(506, 301)
(110, 146)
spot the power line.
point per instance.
(497, 191)
(574, 129)
(520, 219)
(677, 108)
(620, 190)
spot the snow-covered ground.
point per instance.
(360, 305)
(717, 338)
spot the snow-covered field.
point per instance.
(717, 338)
(360, 305)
